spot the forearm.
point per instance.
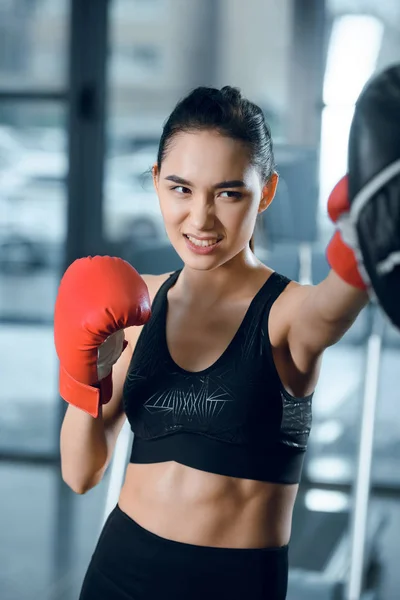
(83, 446)
(336, 302)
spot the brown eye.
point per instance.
(234, 195)
(180, 189)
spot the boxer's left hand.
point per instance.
(340, 250)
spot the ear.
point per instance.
(155, 174)
(268, 192)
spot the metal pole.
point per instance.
(87, 115)
(117, 470)
(305, 260)
(361, 490)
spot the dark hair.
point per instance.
(227, 112)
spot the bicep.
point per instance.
(320, 316)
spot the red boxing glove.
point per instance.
(97, 299)
(340, 253)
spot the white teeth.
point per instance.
(203, 243)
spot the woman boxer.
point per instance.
(217, 384)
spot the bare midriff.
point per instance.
(186, 505)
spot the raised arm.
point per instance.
(321, 314)
(365, 207)
(88, 438)
(98, 300)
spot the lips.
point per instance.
(202, 245)
(208, 238)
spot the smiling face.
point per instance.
(210, 195)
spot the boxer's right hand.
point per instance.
(97, 299)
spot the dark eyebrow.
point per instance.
(235, 183)
(179, 180)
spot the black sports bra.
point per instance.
(233, 418)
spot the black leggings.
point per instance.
(131, 563)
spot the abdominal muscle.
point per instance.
(190, 506)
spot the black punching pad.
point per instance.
(374, 187)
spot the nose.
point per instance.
(202, 215)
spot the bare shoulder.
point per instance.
(153, 282)
(295, 293)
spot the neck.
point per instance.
(211, 285)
